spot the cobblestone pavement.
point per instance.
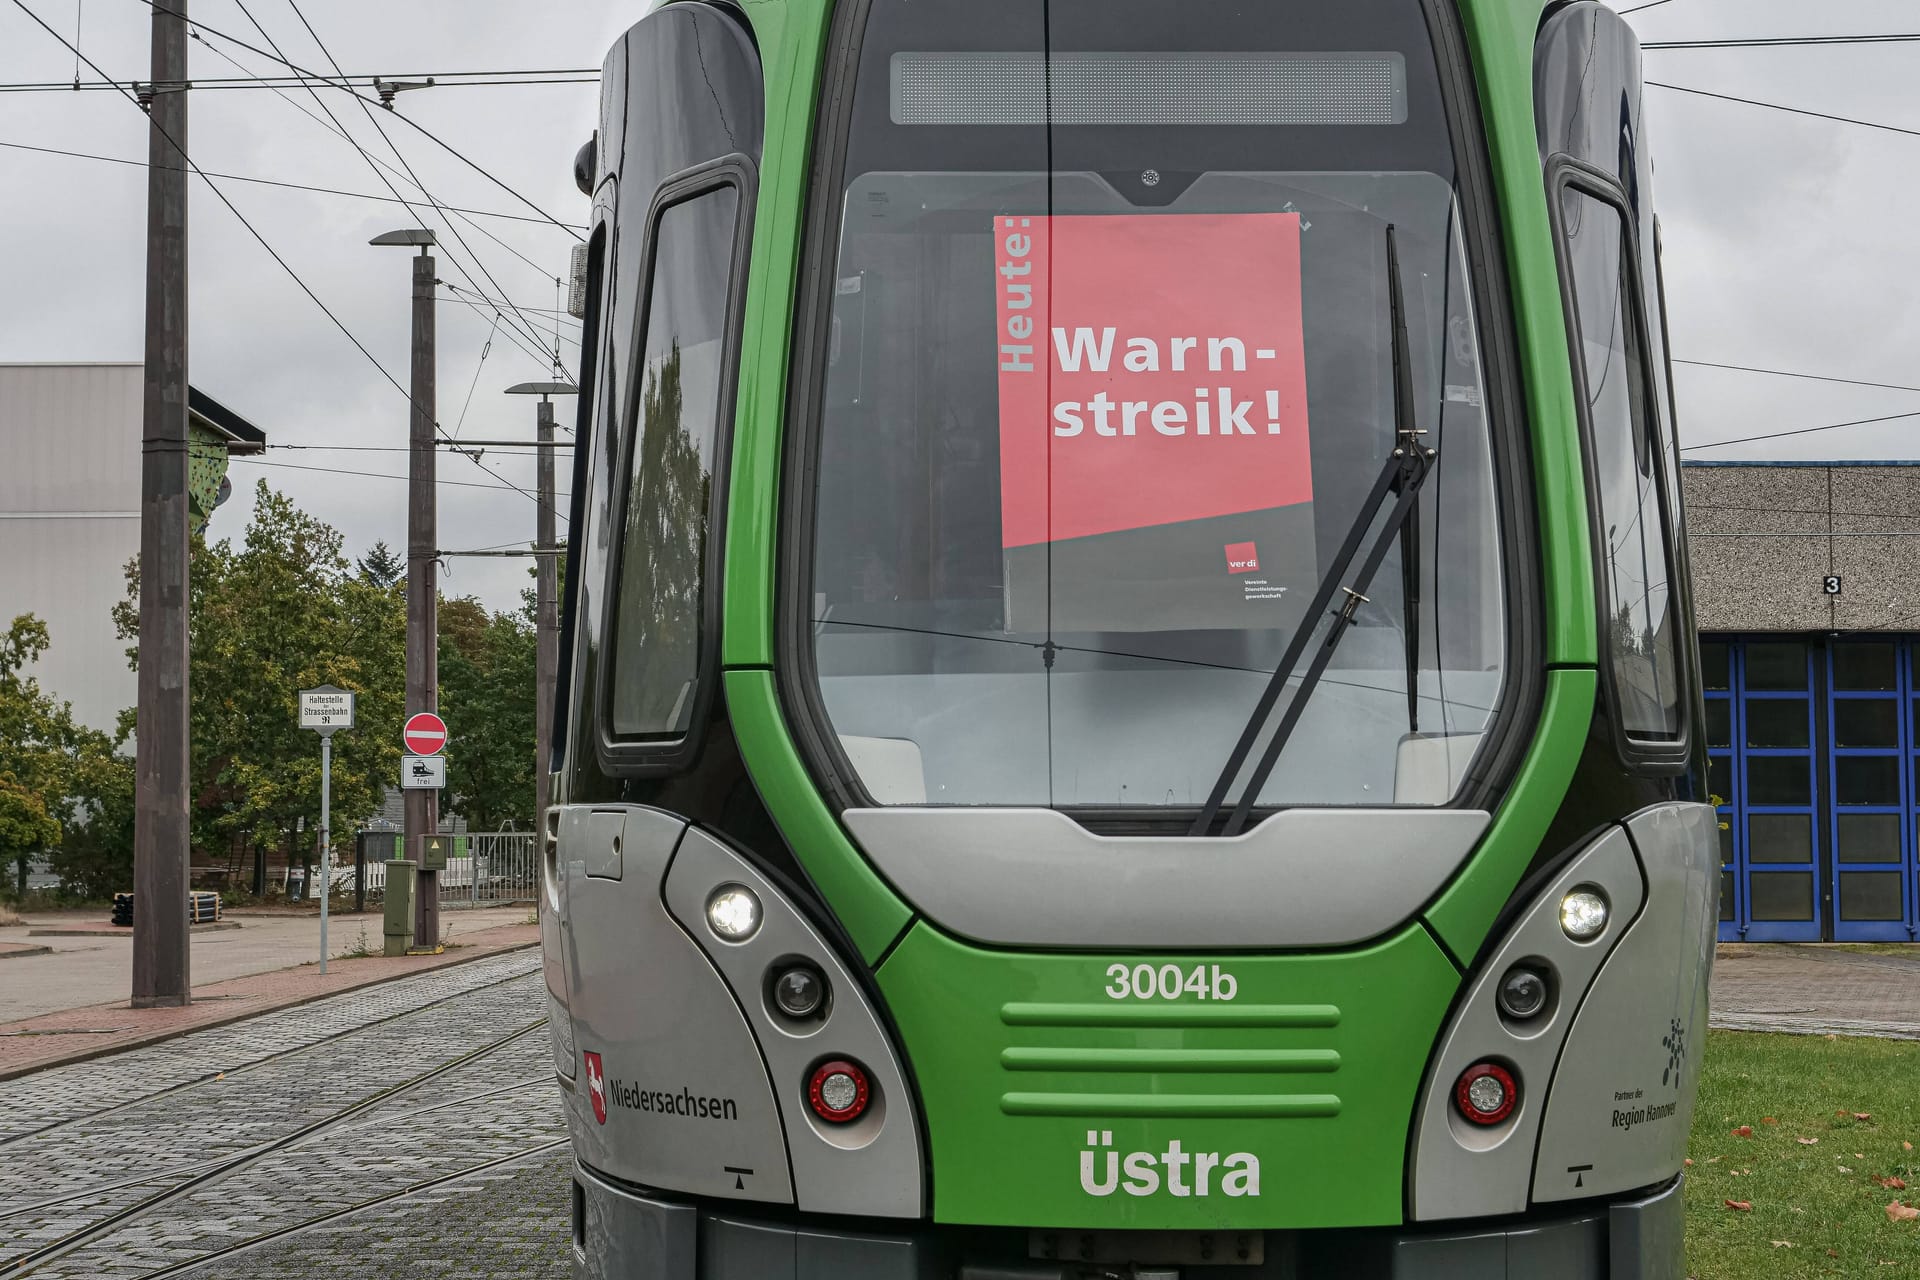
(509, 1223)
(1816, 991)
(452, 1128)
(85, 1089)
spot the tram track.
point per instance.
(227, 1073)
(40, 1206)
(213, 1171)
(428, 1184)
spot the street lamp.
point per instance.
(423, 676)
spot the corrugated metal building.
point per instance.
(70, 513)
(1806, 579)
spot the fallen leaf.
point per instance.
(1833, 1037)
(1806, 1142)
(1833, 1253)
(1844, 1169)
(1689, 1162)
(1863, 1115)
(221, 1076)
(1744, 1131)
(1859, 1155)
(1746, 1206)
(1768, 1120)
(1781, 1244)
(1715, 1159)
(1892, 1183)
(1897, 1212)
(1906, 1146)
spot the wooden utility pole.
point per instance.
(546, 621)
(422, 806)
(546, 602)
(162, 970)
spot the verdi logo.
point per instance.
(1174, 1172)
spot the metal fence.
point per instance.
(499, 868)
(487, 869)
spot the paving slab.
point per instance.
(92, 967)
(1812, 990)
(73, 1035)
(107, 929)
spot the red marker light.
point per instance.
(1486, 1094)
(838, 1091)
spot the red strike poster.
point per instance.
(1153, 419)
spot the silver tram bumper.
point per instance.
(622, 1234)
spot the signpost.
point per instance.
(326, 711)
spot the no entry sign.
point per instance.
(425, 733)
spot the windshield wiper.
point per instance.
(1405, 471)
(1408, 432)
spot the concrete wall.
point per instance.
(70, 520)
(1764, 539)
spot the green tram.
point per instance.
(1129, 700)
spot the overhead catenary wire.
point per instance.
(264, 242)
(266, 182)
(486, 349)
(1797, 431)
(538, 355)
(1778, 106)
(335, 82)
(441, 80)
(380, 129)
(380, 475)
(1810, 377)
(1785, 42)
(527, 448)
(480, 302)
(332, 123)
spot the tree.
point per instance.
(381, 567)
(282, 613)
(95, 857)
(25, 826)
(486, 696)
(50, 765)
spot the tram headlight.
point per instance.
(1583, 914)
(733, 912)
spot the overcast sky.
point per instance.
(1789, 240)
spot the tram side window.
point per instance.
(660, 608)
(1626, 458)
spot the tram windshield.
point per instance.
(1109, 377)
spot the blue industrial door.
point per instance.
(1812, 748)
